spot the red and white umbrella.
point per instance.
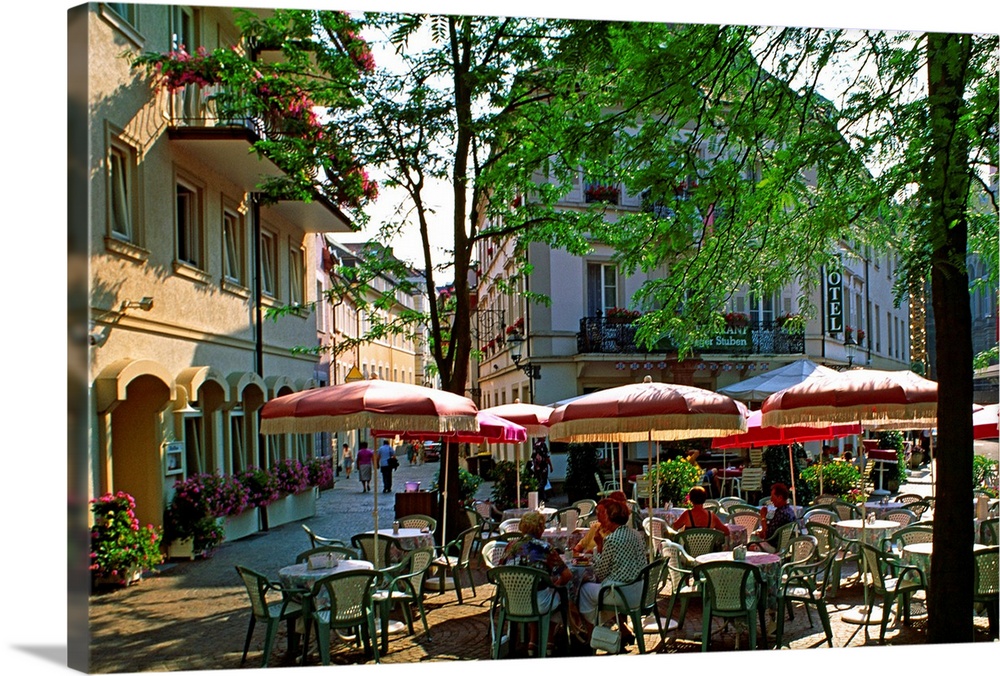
(647, 411)
(757, 435)
(534, 417)
(986, 422)
(378, 404)
(492, 429)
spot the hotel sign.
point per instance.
(834, 298)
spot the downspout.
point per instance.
(868, 316)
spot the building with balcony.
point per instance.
(184, 262)
(584, 339)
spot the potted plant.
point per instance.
(120, 549)
(597, 192)
(320, 470)
(675, 478)
(297, 499)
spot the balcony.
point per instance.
(600, 335)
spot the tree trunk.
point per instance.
(946, 188)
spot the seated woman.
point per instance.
(602, 527)
(767, 534)
(698, 516)
(534, 552)
(620, 557)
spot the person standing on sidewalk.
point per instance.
(347, 460)
(365, 456)
(386, 456)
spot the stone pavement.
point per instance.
(194, 615)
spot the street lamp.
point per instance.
(515, 342)
(851, 348)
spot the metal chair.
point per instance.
(885, 576)
(986, 588)
(450, 564)
(651, 579)
(517, 602)
(403, 584)
(316, 540)
(338, 552)
(343, 601)
(731, 589)
(272, 613)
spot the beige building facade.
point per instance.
(184, 262)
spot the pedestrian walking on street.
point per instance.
(386, 463)
(364, 461)
(541, 466)
(347, 460)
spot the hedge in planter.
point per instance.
(675, 479)
(503, 493)
(839, 478)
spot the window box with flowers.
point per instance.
(194, 522)
(621, 315)
(860, 336)
(598, 192)
(297, 497)
(120, 549)
(791, 323)
(737, 320)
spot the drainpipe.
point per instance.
(257, 288)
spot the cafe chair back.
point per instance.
(732, 501)
(903, 517)
(784, 535)
(907, 535)
(316, 540)
(748, 519)
(586, 507)
(845, 510)
(510, 526)
(271, 613)
(344, 601)
(455, 557)
(830, 543)
(742, 508)
(920, 507)
(338, 552)
(801, 582)
(403, 585)
(799, 549)
(490, 518)
(681, 583)
(731, 589)
(650, 581)
(908, 498)
(820, 515)
(567, 517)
(698, 541)
(986, 586)
(887, 577)
(380, 553)
(419, 521)
(605, 488)
(524, 594)
(657, 530)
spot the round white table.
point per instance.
(881, 508)
(518, 512)
(409, 538)
(302, 576)
(869, 533)
(919, 554)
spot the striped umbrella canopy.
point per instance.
(492, 429)
(534, 417)
(986, 422)
(758, 435)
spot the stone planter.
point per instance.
(241, 525)
(292, 508)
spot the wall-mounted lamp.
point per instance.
(851, 349)
(534, 371)
(145, 304)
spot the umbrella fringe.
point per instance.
(382, 421)
(882, 416)
(642, 428)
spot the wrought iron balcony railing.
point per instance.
(212, 106)
(601, 335)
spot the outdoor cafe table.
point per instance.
(873, 532)
(301, 576)
(563, 538)
(737, 535)
(768, 564)
(667, 514)
(919, 554)
(409, 539)
(880, 508)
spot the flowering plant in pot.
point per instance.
(192, 513)
(320, 471)
(261, 485)
(737, 320)
(120, 548)
(291, 476)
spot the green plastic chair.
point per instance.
(652, 578)
(903, 517)
(337, 551)
(698, 541)
(587, 508)
(820, 514)
(830, 543)
(731, 589)
(886, 576)
(403, 584)
(989, 531)
(271, 613)
(419, 521)
(681, 580)
(986, 588)
(457, 556)
(343, 601)
(517, 602)
(389, 548)
(800, 583)
(907, 535)
(316, 540)
(845, 510)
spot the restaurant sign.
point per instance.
(735, 340)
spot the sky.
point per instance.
(34, 508)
